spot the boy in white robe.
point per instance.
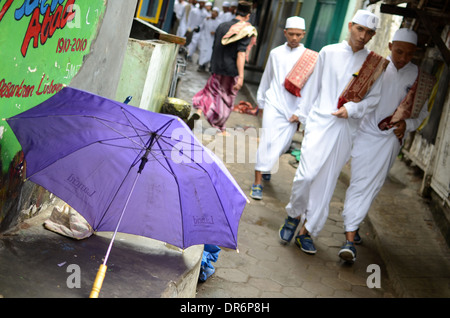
(201, 15)
(233, 7)
(182, 25)
(329, 131)
(196, 17)
(225, 14)
(206, 39)
(374, 150)
(180, 12)
(278, 104)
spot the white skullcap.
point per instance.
(366, 18)
(216, 9)
(209, 4)
(295, 23)
(405, 35)
(225, 4)
(234, 4)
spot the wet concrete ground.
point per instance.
(400, 236)
(264, 267)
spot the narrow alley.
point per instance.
(265, 268)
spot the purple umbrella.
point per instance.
(129, 170)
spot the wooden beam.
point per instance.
(427, 22)
(434, 13)
(435, 36)
(405, 12)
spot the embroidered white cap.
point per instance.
(405, 35)
(216, 9)
(366, 18)
(209, 4)
(225, 4)
(295, 23)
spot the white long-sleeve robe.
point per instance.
(196, 18)
(182, 27)
(374, 150)
(206, 40)
(225, 16)
(327, 142)
(278, 104)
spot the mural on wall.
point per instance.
(42, 47)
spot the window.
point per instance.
(149, 10)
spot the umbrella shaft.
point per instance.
(98, 281)
(144, 160)
(120, 219)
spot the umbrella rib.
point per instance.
(61, 116)
(170, 172)
(165, 127)
(178, 188)
(100, 120)
(124, 136)
(182, 153)
(132, 126)
(75, 150)
(183, 142)
(125, 110)
(215, 190)
(156, 133)
(135, 162)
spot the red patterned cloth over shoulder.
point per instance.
(357, 88)
(301, 71)
(413, 102)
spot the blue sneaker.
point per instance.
(287, 230)
(348, 252)
(266, 176)
(306, 244)
(256, 192)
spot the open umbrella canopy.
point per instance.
(89, 150)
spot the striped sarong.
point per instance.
(216, 99)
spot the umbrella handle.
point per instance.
(98, 281)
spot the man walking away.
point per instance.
(232, 43)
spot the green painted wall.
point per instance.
(43, 45)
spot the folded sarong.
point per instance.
(301, 71)
(239, 31)
(413, 102)
(372, 68)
